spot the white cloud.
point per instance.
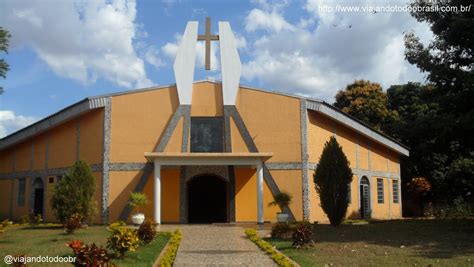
(325, 51)
(10, 122)
(153, 58)
(80, 40)
(270, 21)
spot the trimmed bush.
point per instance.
(147, 231)
(302, 235)
(117, 224)
(331, 178)
(74, 193)
(169, 256)
(123, 240)
(276, 256)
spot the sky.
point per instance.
(63, 51)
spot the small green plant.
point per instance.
(73, 223)
(169, 256)
(282, 231)
(276, 256)
(34, 219)
(25, 219)
(147, 232)
(282, 199)
(89, 255)
(137, 200)
(460, 208)
(302, 235)
(117, 224)
(123, 240)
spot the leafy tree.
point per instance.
(74, 193)
(367, 102)
(331, 178)
(449, 61)
(4, 38)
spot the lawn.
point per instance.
(51, 241)
(391, 243)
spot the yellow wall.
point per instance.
(207, 100)
(320, 129)
(138, 121)
(122, 183)
(174, 144)
(273, 122)
(5, 198)
(91, 136)
(238, 144)
(40, 152)
(62, 145)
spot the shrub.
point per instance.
(75, 193)
(282, 231)
(117, 224)
(137, 200)
(460, 208)
(34, 219)
(302, 235)
(282, 199)
(123, 240)
(168, 257)
(89, 255)
(276, 256)
(147, 232)
(331, 178)
(25, 219)
(73, 223)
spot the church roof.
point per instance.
(94, 102)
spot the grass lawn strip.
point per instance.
(145, 255)
(390, 243)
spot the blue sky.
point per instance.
(64, 51)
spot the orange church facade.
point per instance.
(236, 156)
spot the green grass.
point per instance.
(145, 255)
(391, 243)
(51, 241)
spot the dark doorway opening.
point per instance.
(207, 199)
(38, 199)
(364, 198)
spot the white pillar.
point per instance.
(259, 193)
(157, 194)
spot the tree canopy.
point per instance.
(4, 41)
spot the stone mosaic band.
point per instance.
(106, 160)
(304, 158)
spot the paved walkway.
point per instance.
(217, 245)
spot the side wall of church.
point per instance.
(366, 157)
(56, 149)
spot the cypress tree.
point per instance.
(331, 178)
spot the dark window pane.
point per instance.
(380, 197)
(207, 134)
(395, 191)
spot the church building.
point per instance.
(202, 151)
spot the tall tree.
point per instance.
(449, 61)
(331, 178)
(74, 193)
(367, 102)
(4, 41)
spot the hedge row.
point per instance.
(168, 257)
(276, 256)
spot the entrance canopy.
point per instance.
(172, 158)
(241, 159)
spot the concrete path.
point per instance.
(218, 245)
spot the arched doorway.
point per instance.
(207, 199)
(364, 197)
(38, 196)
